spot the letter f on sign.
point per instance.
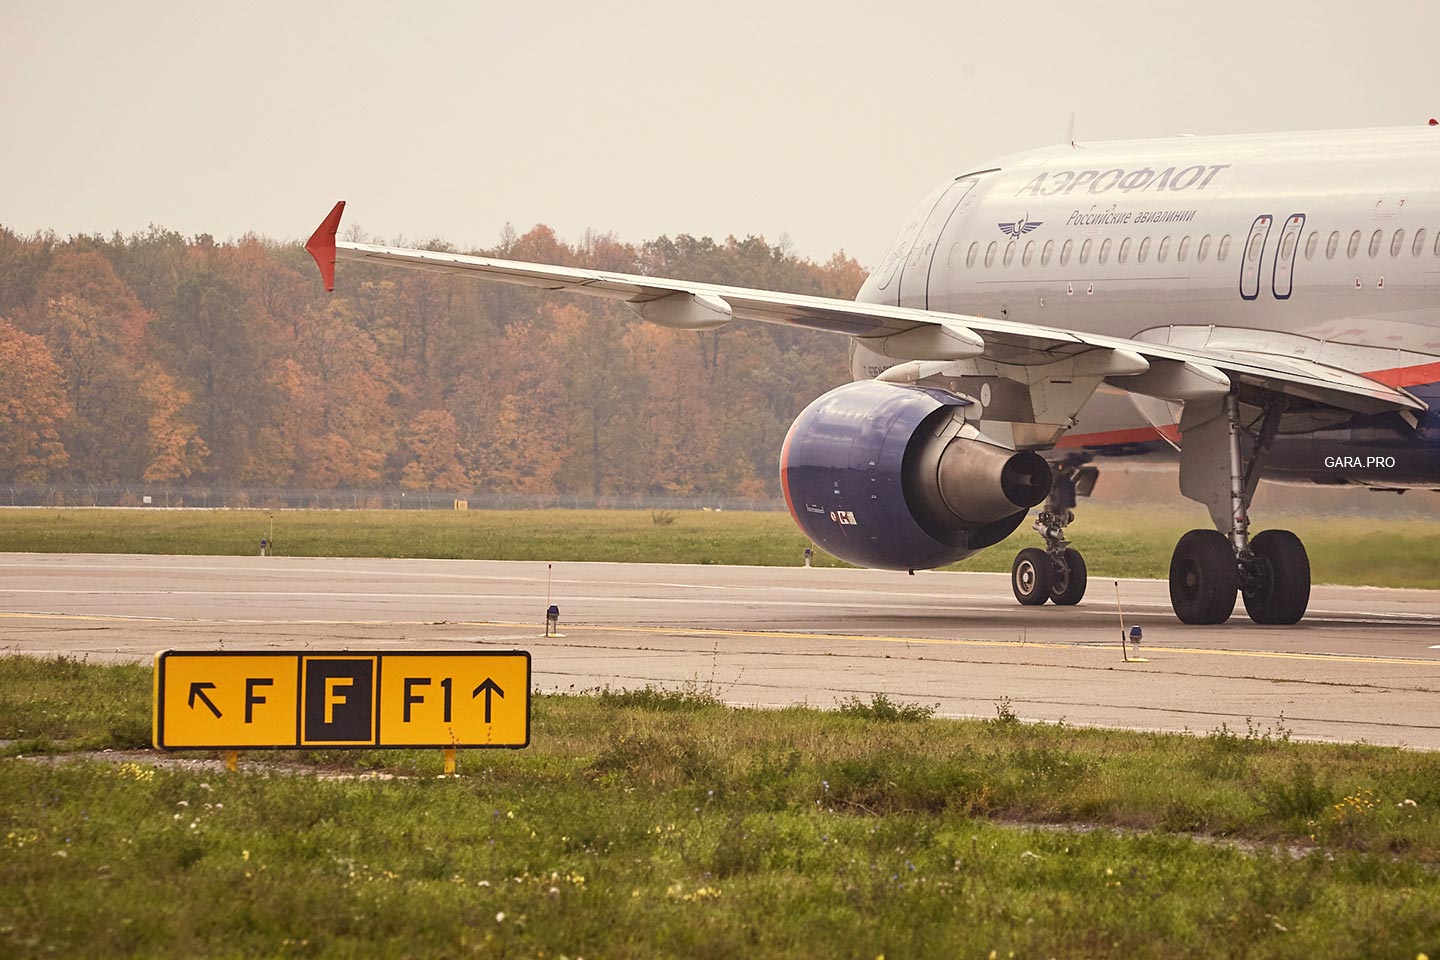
(332, 697)
(411, 697)
(252, 698)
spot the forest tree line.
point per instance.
(157, 359)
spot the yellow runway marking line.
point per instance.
(965, 642)
(151, 619)
(67, 616)
(775, 634)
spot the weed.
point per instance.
(688, 696)
(1348, 820)
(1042, 766)
(662, 518)
(882, 708)
(1225, 740)
(1300, 796)
(1005, 717)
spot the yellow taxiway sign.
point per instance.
(223, 700)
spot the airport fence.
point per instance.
(218, 498)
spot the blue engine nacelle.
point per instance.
(889, 476)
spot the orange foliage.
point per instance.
(432, 440)
(32, 405)
(247, 373)
(89, 278)
(174, 445)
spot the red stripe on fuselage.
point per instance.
(1119, 438)
(1395, 377)
(1407, 376)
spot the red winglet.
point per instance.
(321, 245)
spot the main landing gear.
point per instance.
(1271, 570)
(1056, 572)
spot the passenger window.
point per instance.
(1311, 242)
(1009, 252)
(990, 254)
(1029, 253)
(1353, 247)
(1163, 251)
(1204, 249)
(1419, 242)
(1287, 249)
(1105, 251)
(1124, 250)
(1257, 245)
(1046, 252)
(1223, 250)
(1437, 243)
(1332, 244)
(1183, 250)
(1085, 251)
(1375, 239)
(1397, 242)
(1144, 250)
(1065, 253)
(974, 252)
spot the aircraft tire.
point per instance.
(1068, 590)
(1204, 578)
(1281, 591)
(1031, 576)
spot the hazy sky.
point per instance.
(823, 121)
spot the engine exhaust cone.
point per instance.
(1025, 480)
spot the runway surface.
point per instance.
(1365, 665)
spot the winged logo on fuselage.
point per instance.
(1020, 227)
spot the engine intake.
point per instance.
(890, 476)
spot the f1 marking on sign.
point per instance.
(255, 700)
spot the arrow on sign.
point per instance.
(197, 689)
(489, 686)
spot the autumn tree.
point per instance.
(274, 290)
(602, 395)
(32, 407)
(510, 412)
(105, 437)
(174, 448)
(94, 324)
(338, 413)
(88, 277)
(219, 350)
(431, 442)
(23, 261)
(151, 263)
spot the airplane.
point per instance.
(1253, 306)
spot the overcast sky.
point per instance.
(823, 121)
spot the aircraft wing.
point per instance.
(933, 340)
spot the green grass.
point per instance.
(655, 824)
(1116, 542)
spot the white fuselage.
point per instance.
(1322, 245)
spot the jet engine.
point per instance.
(891, 476)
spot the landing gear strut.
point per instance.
(1271, 571)
(1057, 572)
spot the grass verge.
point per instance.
(1116, 542)
(647, 823)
